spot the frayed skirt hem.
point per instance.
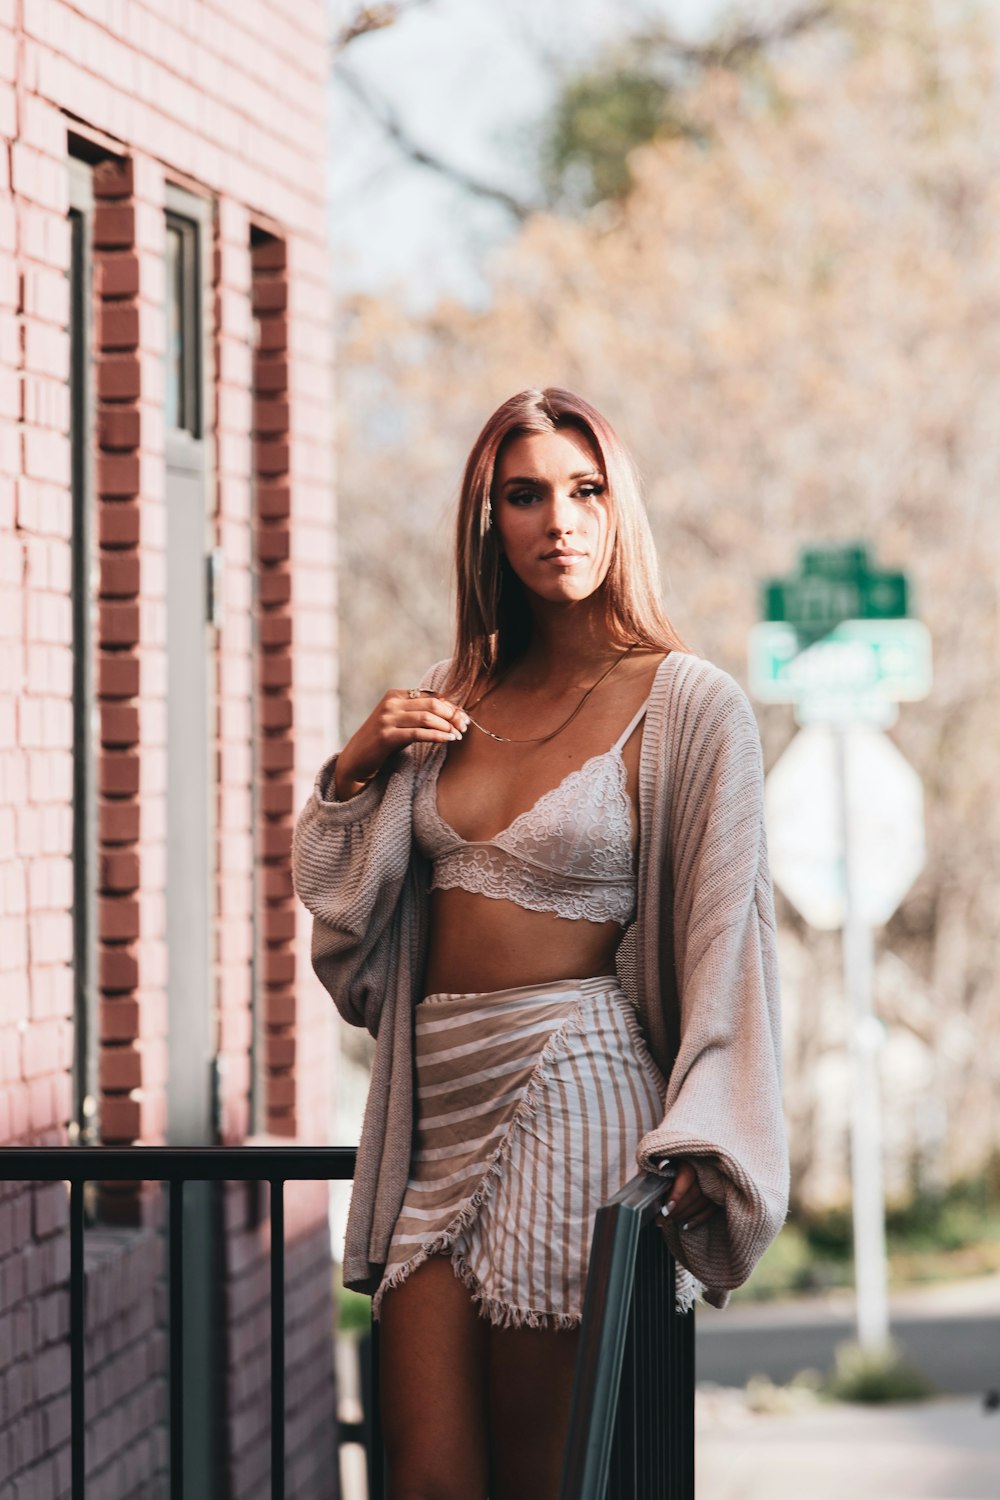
(496, 1312)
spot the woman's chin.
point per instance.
(565, 590)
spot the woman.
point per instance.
(540, 880)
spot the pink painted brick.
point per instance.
(41, 126)
(46, 349)
(44, 235)
(10, 282)
(39, 178)
(46, 455)
(46, 294)
(8, 110)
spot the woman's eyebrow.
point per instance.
(535, 479)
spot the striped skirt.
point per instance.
(530, 1105)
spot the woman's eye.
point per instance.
(589, 490)
(522, 497)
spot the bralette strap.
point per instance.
(622, 740)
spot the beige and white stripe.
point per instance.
(530, 1105)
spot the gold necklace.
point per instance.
(539, 739)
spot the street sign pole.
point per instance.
(837, 642)
(870, 1261)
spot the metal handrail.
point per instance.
(629, 1264)
(630, 1317)
(176, 1165)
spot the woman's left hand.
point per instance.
(685, 1203)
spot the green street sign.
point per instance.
(834, 584)
(855, 668)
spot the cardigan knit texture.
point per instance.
(699, 962)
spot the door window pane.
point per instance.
(182, 407)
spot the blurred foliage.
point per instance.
(353, 1310)
(597, 122)
(792, 1267)
(932, 1236)
(876, 1375)
(646, 89)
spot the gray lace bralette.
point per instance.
(570, 854)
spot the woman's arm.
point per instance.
(352, 846)
(403, 717)
(349, 861)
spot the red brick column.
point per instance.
(274, 683)
(130, 674)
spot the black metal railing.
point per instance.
(631, 1432)
(176, 1166)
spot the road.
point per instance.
(948, 1449)
(951, 1332)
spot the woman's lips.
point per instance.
(563, 559)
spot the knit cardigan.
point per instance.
(698, 961)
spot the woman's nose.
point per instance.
(560, 515)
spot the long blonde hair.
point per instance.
(493, 624)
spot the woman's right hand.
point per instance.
(398, 720)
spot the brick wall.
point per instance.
(226, 98)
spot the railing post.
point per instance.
(176, 1337)
(374, 1450)
(77, 1343)
(277, 1339)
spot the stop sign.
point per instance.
(885, 819)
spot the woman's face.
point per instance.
(551, 511)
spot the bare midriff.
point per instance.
(478, 943)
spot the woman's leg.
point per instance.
(432, 1358)
(530, 1386)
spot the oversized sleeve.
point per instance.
(353, 864)
(350, 861)
(723, 1108)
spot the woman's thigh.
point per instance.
(530, 1388)
(432, 1364)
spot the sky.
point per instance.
(470, 79)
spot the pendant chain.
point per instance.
(503, 739)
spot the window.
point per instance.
(183, 302)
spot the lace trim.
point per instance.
(500, 875)
(582, 827)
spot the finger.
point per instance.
(443, 707)
(685, 1196)
(691, 1203)
(450, 711)
(423, 735)
(694, 1221)
(685, 1180)
(428, 720)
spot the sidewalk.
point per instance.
(947, 1449)
(971, 1297)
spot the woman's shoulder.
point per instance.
(705, 694)
(435, 676)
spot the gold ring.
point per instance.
(413, 692)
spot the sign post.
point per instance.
(871, 1278)
(837, 644)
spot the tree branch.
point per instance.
(400, 136)
(728, 50)
(371, 18)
